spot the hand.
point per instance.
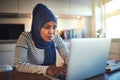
(53, 70)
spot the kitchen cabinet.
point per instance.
(7, 6)
(7, 53)
(115, 49)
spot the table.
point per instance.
(114, 75)
(15, 75)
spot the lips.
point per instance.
(50, 37)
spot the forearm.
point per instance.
(30, 68)
(64, 53)
(22, 64)
(62, 49)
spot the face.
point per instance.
(48, 31)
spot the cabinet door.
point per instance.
(7, 54)
(115, 50)
(7, 57)
(30, 5)
(115, 47)
(9, 6)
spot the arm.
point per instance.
(64, 53)
(62, 48)
(21, 61)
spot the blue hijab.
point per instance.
(41, 15)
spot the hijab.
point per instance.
(40, 16)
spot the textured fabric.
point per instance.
(41, 15)
(29, 58)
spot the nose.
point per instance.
(51, 30)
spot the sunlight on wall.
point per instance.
(113, 27)
(112, 14)
(112, 6)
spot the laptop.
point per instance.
(88, 57)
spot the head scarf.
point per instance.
(41, 15)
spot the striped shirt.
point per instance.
(28, 58)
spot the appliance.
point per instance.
(11, 31)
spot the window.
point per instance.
(112, 6)
(111, 18)
(113, 27)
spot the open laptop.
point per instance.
(88, 57)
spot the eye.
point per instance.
(46, 26)
(54, 27)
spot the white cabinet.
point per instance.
(26, 6)
(7, 53)
(9, 6)
(114, 56)
(66, 7)
(115, 49)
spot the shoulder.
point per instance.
(58, 40)
(25, 33)
(25, 36)
(56, 37)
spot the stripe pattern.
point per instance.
(28, 58)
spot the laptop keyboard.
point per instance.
(60, 76)
(56, 77)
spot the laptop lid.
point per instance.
(88, 57)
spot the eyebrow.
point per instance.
(50, 25)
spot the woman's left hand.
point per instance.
(53, 70)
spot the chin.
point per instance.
(48, 40)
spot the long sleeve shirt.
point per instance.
(29, 58)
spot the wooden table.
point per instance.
(15, 75)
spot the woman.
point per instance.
(35, 51)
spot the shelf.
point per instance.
(7, 41)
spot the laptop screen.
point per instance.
(88, 57)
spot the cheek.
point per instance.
(43, 33)
(54, 32)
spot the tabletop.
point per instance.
(15, 75)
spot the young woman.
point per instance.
(35, 51)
